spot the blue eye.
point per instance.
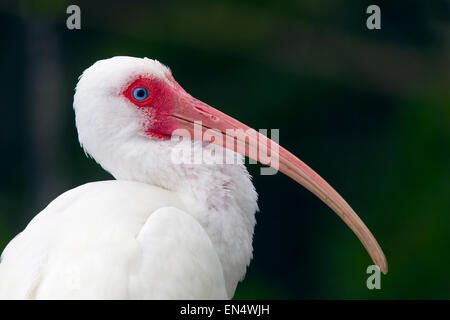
(140, 93)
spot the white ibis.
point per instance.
(164, 229)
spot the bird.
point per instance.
(166, 227)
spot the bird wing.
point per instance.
(112, 240)
(185, 256)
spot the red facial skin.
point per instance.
(168, 107)
(161, 100)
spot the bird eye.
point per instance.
(140, 93)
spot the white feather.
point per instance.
(112, 240)
(163, 230)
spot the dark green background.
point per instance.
(368, 110)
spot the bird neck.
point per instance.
(221, 197)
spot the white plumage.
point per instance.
(113, 240)
(162, 230)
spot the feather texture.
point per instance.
(164, 229)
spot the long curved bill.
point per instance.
(189, 114)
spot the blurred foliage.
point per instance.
(369, 110)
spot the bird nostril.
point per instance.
(199, 109)
(206, 113)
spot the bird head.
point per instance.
(125, 99)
